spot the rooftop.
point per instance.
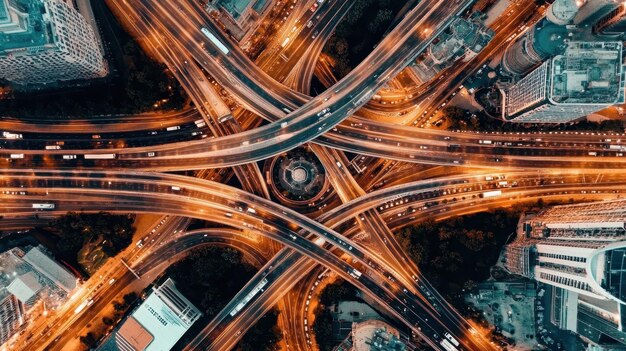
(37, 31)
(588, 73)
(159, 322)
(135, 334)
(375, 335)
(25, 287)
(4, 11)
(52, 270)
(235, 7)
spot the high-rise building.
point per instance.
(542, 41)
(44, 41)
(157, 324)
(239, 17)
(594, 10)
(588, 77)
(562, 12)
(614, 23)
(11, 315)
(580, 251)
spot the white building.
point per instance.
(158, 323)
(580, 250)
(44, 41)
(588, 77)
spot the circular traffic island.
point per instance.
(297, 177)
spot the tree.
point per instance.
(88, 340)
(263, 336)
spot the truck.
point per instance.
(484, 142)
(354, 273)
(10, 135)
(173, 128)
(451, 338)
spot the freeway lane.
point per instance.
(194, 200)
(409, 195)
(121, 198)
(160, 258)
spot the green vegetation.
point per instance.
(264, 335)
(463, 120)
(340, 290)
(209, 277)
(90, 239)
(349, 46)
(456, 253)
(135, 84)
(91, 339)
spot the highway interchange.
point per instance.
(535, 165)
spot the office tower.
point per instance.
(44, 41)
(542, 41)
(562, 12)
(579, 251)
(588, 77)
(614, 23)
(594, 10)
(11, 315)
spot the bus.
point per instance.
(448, 346)
(225, 118)
(43, 206)
(491, 193)
(99, 156)
(258, 288)
(215, 41)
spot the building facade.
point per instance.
(578, 250)
(594, 10)
(157, 324)
(45, 41)
(11, 316)
(612, 24)
(588, 77)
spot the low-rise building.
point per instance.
(463, 40)
(157, 324)
(372, 335)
